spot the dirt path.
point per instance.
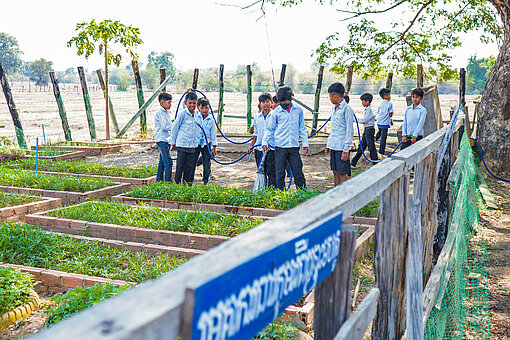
(496, 228)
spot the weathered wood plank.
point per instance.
(363, 243)
(88, 105)
(354, 328)
(60, 105)
(139, 95)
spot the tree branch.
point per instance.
(358, 14)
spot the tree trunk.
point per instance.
(493, 130)
(106, 94)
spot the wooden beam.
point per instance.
(348, 83)
(220, 100)
(354, 328)
(139, 95)
(462, 88)
(194, 84)
(111, 111)
(317, 98)
(12, 109)
(249, 95)
(88, 105)
(60, 105)
(281, 82)
(162, 77)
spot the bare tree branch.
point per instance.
(358, 14)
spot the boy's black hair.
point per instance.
(418, 92)
(284, 93)
(190, 96)
(203, 102)
(347, 99)
(367, 97)
(164, 96)
(275, 99)
(384, 92)
(264, 96)
(337, 88)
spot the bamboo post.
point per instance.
(333, 295)
(317, 99)
(282, 75)
(162, 76)
(12, 109)
(222, 89)
(419, 73)
(112, 112)
(61, 109)
(248, 95)
(390, 249)
(194, 85)
(139, 95)
(389, 81)
(86, 100)
(348, 83)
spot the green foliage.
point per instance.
(10, 54)
(30, 179)
(12, 199)
(369, 210)
(39, 70)
(14, 288)
(30, 246)
(199, 222)
(82, 167)
(163, 60)
(477, 73)
(278, 330)
(265, 198)
(125, 79)
(78, 299)
(151, 76)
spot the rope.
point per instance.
(481, 155)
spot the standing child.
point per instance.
(368, 121)
(384, 114)
(163, 125)
(259, 128)
(184, 139)
(206, 121)
(414, 118)
(286, 125)
(340, 138)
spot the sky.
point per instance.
(200, 33)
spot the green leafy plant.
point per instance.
(264, 198)
(82, 167)
(369, 210)
(78, 299)
(150, 217)
(71, 143)
(278, 330)
(12, 199)
(30, 246)
(30, 179)
(14, 288)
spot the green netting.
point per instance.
(461, 309)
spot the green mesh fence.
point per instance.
(461, 309)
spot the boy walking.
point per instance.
(414, 118)
(286, 125)
(184, 139)
(340, 138)
(259, 128)
(384, 114)
(206, 121)
(368, 121)
(163, 125)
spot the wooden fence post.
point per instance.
(111, 111)
(317, 99)
(222, 89)
(333, 295)
(419, 73)
(390, 249)
(162, 77)
(281, 82)
(194, 85)
(389, 81)
(86, 100)
(61, 109)
(12, 109)
(462, 88)
(139, 95)
(348, 83)
(248, 95)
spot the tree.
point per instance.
(163, 60)
(425, 32)
(477, 73)
(151, 76)
(10, 53)
(106, 33)
(39, 71)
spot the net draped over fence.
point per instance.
(461, 308)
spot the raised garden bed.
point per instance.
(89, 148)
(141, 175)
(70, 189)
(14, 206)
(54, 155)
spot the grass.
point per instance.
(30, 179)
(30, 246)
(265, 198)
(154, 218)
(369, 210)
(14, 288)
(81, 167)
(87, 144)
(42, 152)
(12, 199)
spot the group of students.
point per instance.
(278, 130)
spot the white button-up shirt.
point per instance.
(414, 118)
(383, 113)
(286, 128)
(259, 129)
(207, 123)
(185, 130)
(340, 138)
(368, 119)
(163, 125)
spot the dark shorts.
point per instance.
(336, 163)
